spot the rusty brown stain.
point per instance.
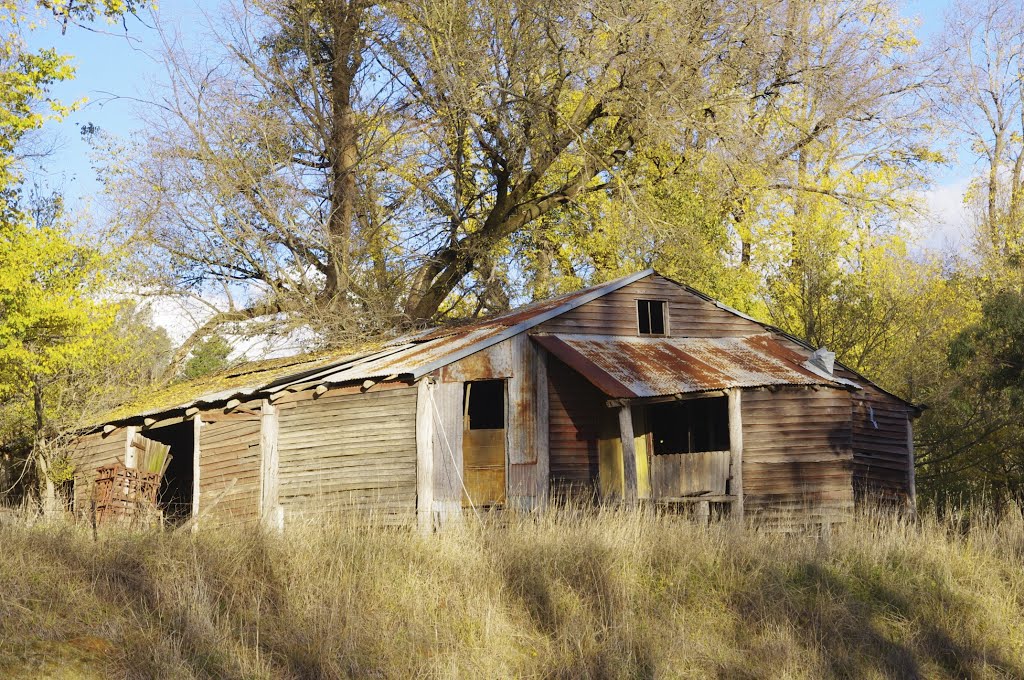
(621, 366)
(584, 365)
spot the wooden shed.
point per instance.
(640, 390)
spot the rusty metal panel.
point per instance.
(492, 363)
(623, 367)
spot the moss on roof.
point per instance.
(244, 375)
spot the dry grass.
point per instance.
(569, 595)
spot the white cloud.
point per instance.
(946, 225)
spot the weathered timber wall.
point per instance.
(615, 314)
(576, 411)
(350, 451)
(797, 454)
(229, 466)
(90, 452)
(446, 407)
(880, 452)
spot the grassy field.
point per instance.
(567, 596)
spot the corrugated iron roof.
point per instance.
(625, 368)
(413, 355)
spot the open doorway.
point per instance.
(175, 495)
(483, 443)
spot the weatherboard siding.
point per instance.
(576, 410)
(797, 454)
(89, 452)
(689, 315)
(229, 467)
(880, 451)
(346, 452)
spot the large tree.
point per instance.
(356, 167)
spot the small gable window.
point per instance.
(650, 316)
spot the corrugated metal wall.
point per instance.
(797, 453)
(350, 452)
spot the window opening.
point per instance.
(485, 404)
(651, 317)
(691, 426)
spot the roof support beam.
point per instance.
(736, 450)
(683, 396)
(271, 511)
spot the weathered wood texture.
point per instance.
(271, 511)
(89, 452)
(797, 454)
(229, 464)
(576, 411)
(526, 424)
(736, 451)
(690, 474)
(425, 455)
(615, 314)
(447, 449)
(483, 460)
(880, 451)
(350, 452)
(611, 468)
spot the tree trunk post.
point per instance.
(736, 450)
(628, 455)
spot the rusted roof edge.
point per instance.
(526, 325)
(916, 409)
(584, 366)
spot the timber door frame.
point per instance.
(505, 413)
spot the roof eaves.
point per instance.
(918, 408)
(529, 323)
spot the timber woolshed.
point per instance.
(639, 389)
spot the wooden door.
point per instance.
(483, 444)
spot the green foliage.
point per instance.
(995, 344)
(208, 356)
(50, 311)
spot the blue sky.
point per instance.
(118, 65)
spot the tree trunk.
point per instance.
(47, 489)
(346, 19)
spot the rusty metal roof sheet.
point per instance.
(624, 367)
(410, 356)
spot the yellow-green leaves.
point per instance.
(50, 314)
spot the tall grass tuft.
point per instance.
(564, 595)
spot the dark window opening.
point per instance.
(651, 317)
(691, 426)
(485, 404)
